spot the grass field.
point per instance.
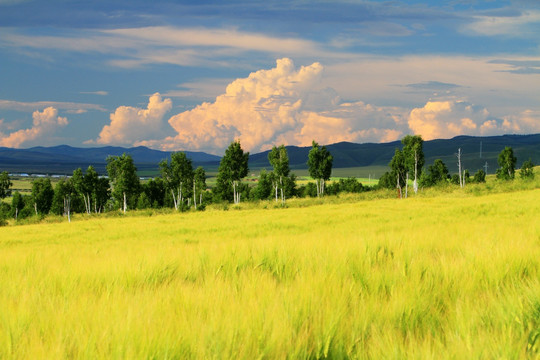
(446, 275)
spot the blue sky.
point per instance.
(186, 75)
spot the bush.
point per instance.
(310, 189)
(479, 177)
(527, 170)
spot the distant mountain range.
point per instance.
(348, 155)
(476, 151)
(64, 159)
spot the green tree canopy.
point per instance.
(437, 173)
(42, 195)
(63, 193)
(232, 168)
(479, 176)
(91, 189)
(279, 159)
(155, 192)
(527, 170)
(199, 185)
(414, 156)
(507, 164)
(5, 185)
(178, 175)
(399, 168)
(123, 175)
(17, 204)
(319, 166)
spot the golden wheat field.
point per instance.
(446, 276)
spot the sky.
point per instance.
(197, 75)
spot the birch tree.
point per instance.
(125, 182)
(92, 189)
(279, 159)
(42, 195)
(232, 168)
(507, 164)
(17, 203)
(399, 171)
(319, 166)
(178, 175)
(63, 192)
(199, 185)
(414, 157)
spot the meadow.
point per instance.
(448, 274)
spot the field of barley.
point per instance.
(443, 276)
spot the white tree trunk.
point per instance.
(407, 186)
(398, 186)
(67, 207)
(236, 195)
(281, 185)
(194, 196)
(459, 167)
(125, 203)
(180, 198)
(415, 183)
(175, 202)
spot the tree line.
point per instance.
(408, 163)
(179, 185)
(182, 187)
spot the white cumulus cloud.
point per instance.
(279, 105)
(45, 123)
(130, 125)
(527, 122)
(446, 119)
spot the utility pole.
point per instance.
(480, 149)
(486, 167)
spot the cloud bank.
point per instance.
(280, 105)
(287, 105)
(45, 123)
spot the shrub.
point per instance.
(527, 170)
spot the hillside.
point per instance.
(64, 159)
(348, 155)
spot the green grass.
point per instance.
(447, 274)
